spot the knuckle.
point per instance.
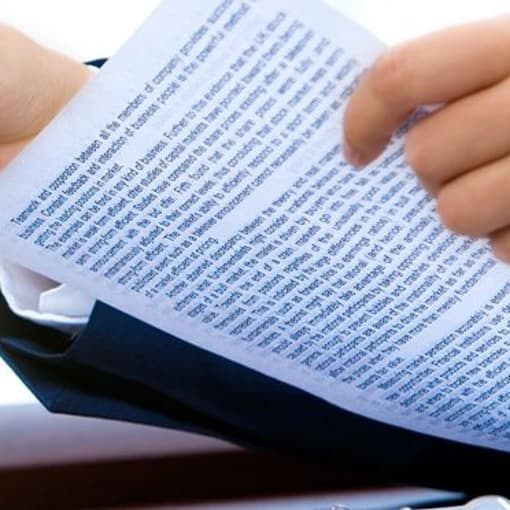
(450, 213)
(392, 75)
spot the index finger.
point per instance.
(437, 68)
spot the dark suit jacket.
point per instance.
(122, 369)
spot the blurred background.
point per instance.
(88, 29)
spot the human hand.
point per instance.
(461, 152)
(35, 83)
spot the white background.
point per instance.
(87, 29)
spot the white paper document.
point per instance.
(197, 184)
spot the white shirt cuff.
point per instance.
(43, 301)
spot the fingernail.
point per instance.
(351, 155)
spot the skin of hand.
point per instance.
(461, 151)
(35, 83)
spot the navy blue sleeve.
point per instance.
(121, 368)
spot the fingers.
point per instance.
(477, 203)
(434, 69)
(9, 151)
(500, 243)
(35, 83)
(467, 134)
